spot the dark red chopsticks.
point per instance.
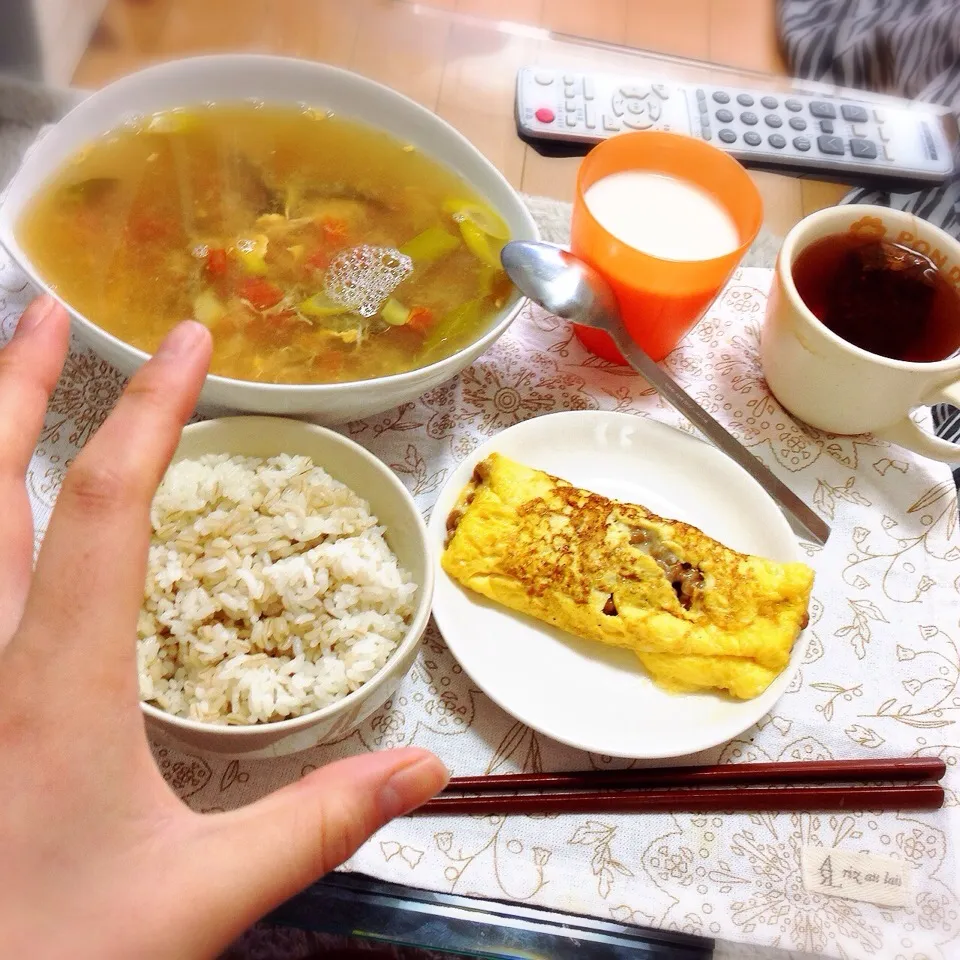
(725, 774)
(927, 796)
(869, 784)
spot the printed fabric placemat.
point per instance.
(882, 677)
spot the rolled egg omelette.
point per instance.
(698, 615)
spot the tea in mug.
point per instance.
(880, 296)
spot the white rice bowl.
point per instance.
(271, 591)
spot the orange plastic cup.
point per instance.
(660, 300)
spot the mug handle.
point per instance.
(907, 434)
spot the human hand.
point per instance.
(99, 857)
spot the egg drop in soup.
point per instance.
(316, 249)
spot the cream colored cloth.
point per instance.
(882, 677)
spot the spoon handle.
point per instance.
(805, 523)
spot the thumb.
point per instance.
(271, 849)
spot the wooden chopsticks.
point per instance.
(870, 784)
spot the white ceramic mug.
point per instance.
(835, 386)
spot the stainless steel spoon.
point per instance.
(570, 288)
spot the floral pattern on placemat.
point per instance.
(881, 677)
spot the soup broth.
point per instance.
(316, 249)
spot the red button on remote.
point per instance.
(545, 115)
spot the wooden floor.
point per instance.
(739, 33)
(462, 66)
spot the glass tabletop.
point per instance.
(366, 909)
(461, 66)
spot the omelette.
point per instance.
(698, 615)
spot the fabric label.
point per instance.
(856, 876)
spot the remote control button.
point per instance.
(618, 104)
(654, 109)
(590, 115)
(544, 79)
(863, 149)
(822, 110)
(853, 113)
(571, 119)
(750, 119)
(826, 126)
(545, 115)
(777, 140)
(744, 99)
(883, 135)
(928, 141)
(571, 106)
(701, 95)
(770, 103)
(589, 90)
(569, 92)
(724, 116)
(705, 133)
(611, 123)
(794, 106)
(727, 135)
(638, 123)
(886, 154)
(636, 106)
(878, 115)
(772, 120)
(860, 132)
(720, 97)
(704, 109)
(640, 90)
(798, 123)
(569, 78)
(832, 146)
(752, 138)
(661, 91)
(801, 143)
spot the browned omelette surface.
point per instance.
(698, 614)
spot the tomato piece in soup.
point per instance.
(216, 263)
(259, 293)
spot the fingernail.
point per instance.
(35, 314)
(181, 340)
(412, 785)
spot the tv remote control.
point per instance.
(836, 137)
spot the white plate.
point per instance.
(583, 693)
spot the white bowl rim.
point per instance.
(415, 629)
(256, 388)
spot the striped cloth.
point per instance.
(907, 47)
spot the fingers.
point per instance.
(29, 367)
(92, 565)
(266, 852)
